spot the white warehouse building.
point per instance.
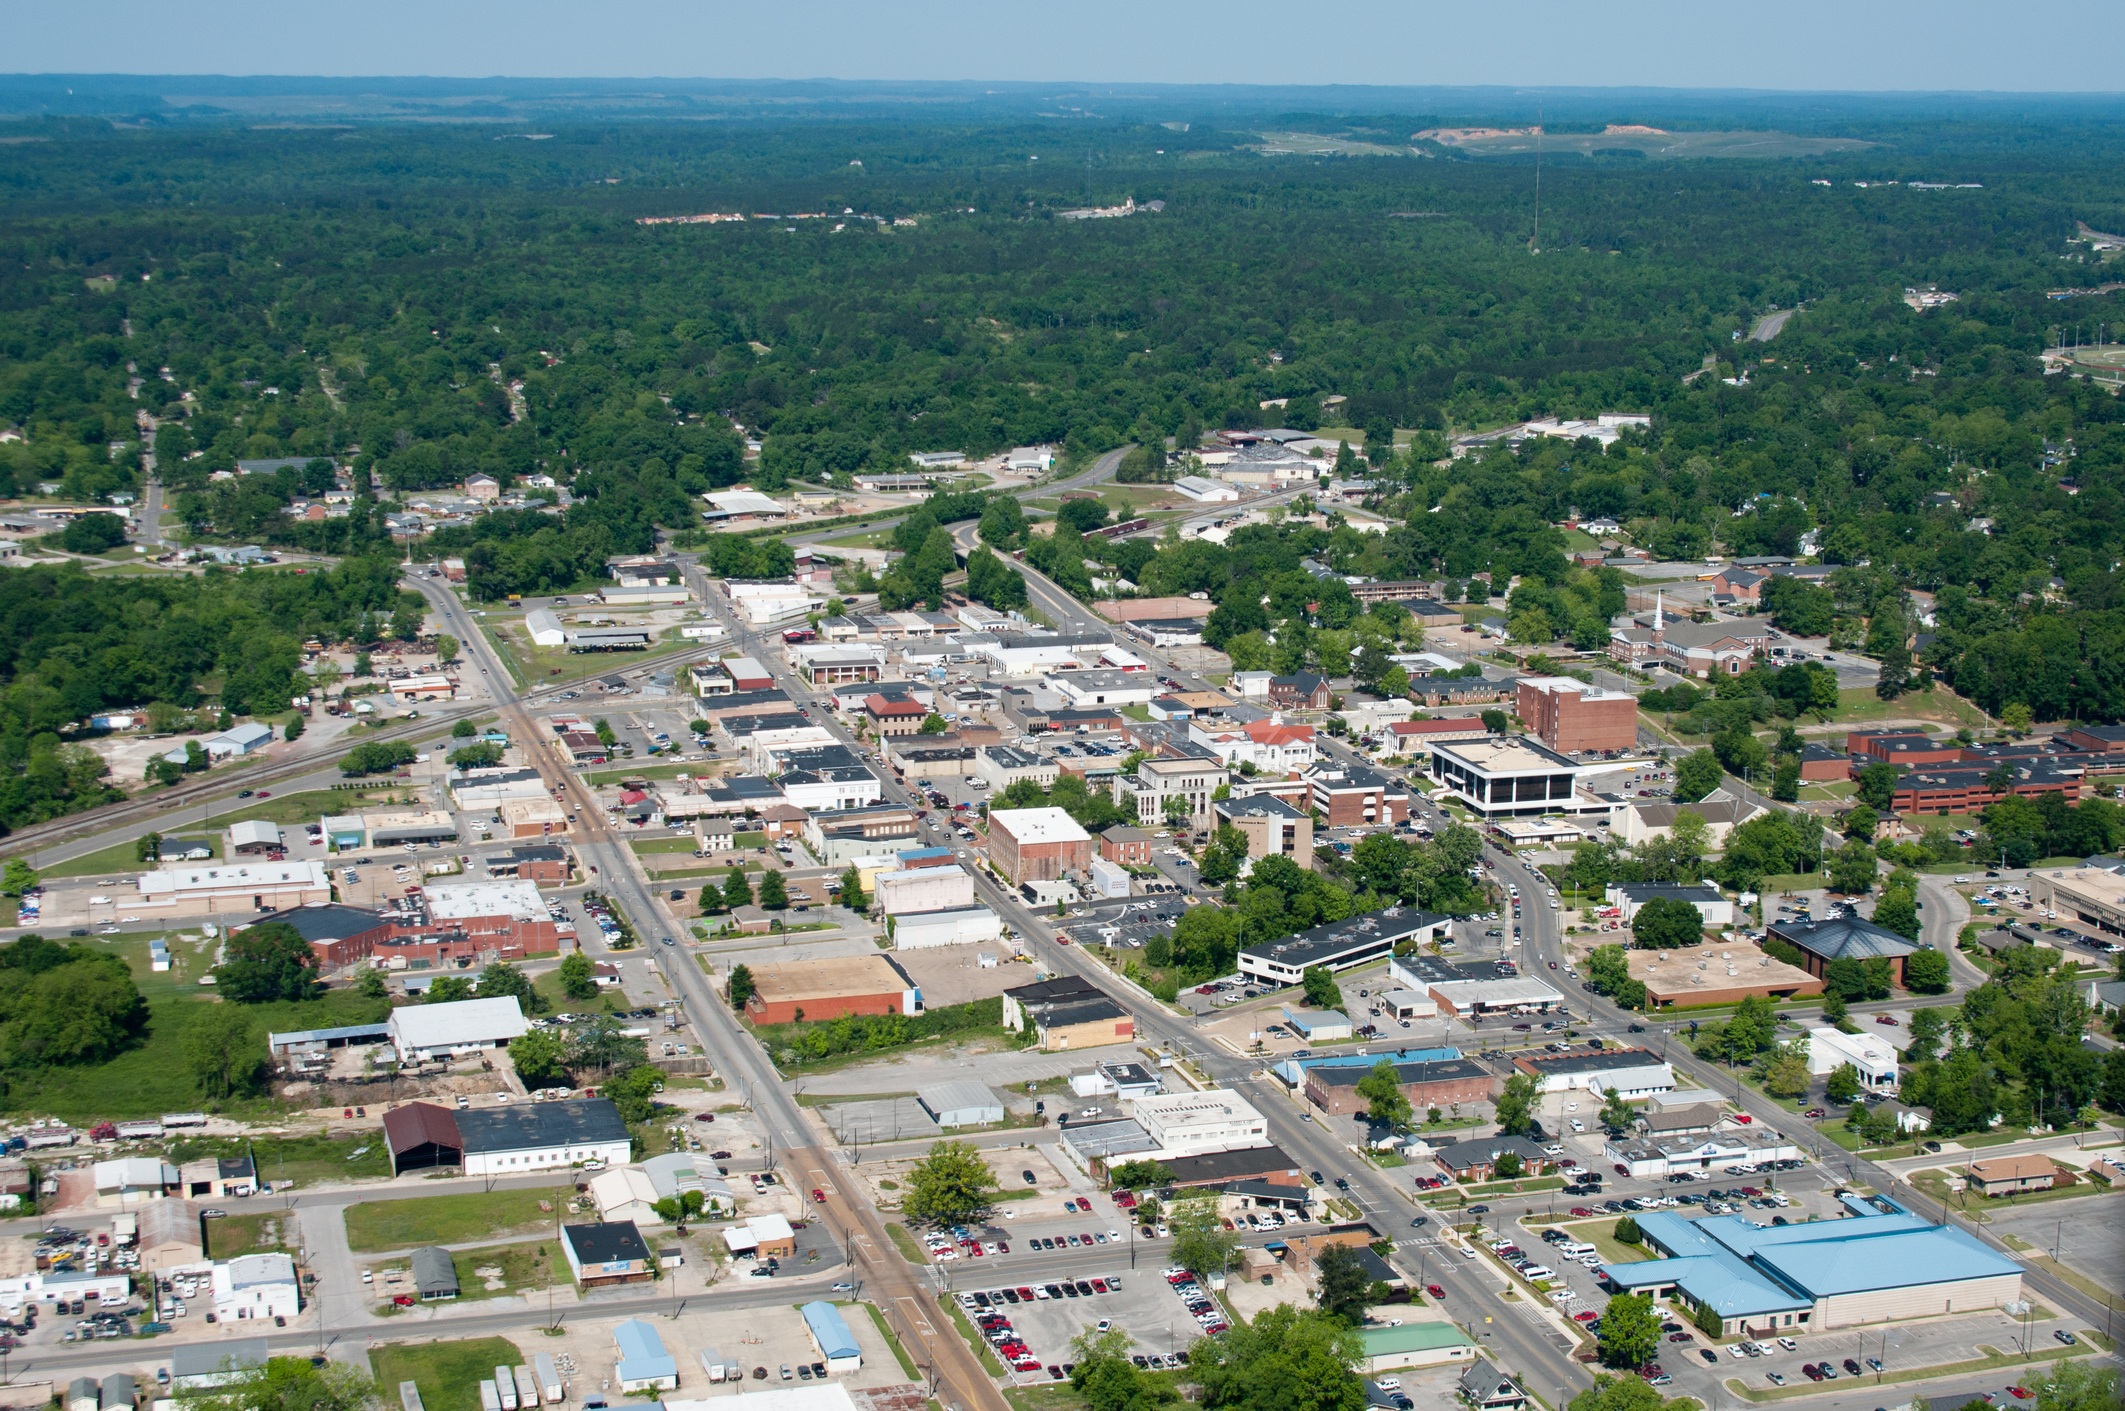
(1197, 1124)
(425, 1032)
(924, 889)
(953, 926)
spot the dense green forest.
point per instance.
(422, 305)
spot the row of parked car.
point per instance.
(1201, 1307)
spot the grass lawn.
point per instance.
(446, 1219)
(1978, 1207)
(304, 1158)
(910, 1248)
(1834, 791)
(654, 771)
(252, 1232)
(115, 859)
(1601, 1234)
(297, 808)
(549, 986)
(980, 1345)
(534, 1264)
(650, 846)
(900, 1354)
(448, 1373)
(1944, 707)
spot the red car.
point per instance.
(1435, 1291)
(2019, 1393)
(818, 1195)
(1585, 1315)
(1814, 1112)
(1744, 1118)
(1580, 1212)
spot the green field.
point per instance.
(153, 1077)
(653, 771)
(451, 1219)
(448, 1373)
(534, 1264)
(250, 1232)
(119, 858)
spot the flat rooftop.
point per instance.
(830, 977)
(1513, 756)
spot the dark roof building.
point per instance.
(422, 1134)
(1271, 1164)
(1842, 938)
(1339, 945)
(434, 1273)
(506, 1140)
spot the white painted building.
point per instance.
(1874, 1058)
(544, 627)
(1198, 1123)
(425, 1032)
(924, 889)
(1205, 490)
(952, 926)
(254, 1286)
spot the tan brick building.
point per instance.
(1271, 827)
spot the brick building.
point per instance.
(1435, 1084)
(1572, 717)
(531, 862)
(890, 716)
(1305, 691)
(1907, 749)
(830, 988)
(1131, 847)
(1353, 795)
(1037, 844)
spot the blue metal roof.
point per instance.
(1293, 1070)
(1742, 1269)
(830, 1330)
(642, 1354)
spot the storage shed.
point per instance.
(644, 1364)
(830, 1333)
(964, 1103)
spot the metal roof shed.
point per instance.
(643, 1361)
(964, 1103)
(428, 1029)
(830, 1331)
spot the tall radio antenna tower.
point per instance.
(1534, 246)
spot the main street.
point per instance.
(894, 1285)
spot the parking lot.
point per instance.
(1062, 1307)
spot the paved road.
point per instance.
(1768, 326)
(895, 1286)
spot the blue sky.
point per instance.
(1862, 45)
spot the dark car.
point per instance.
(1708, 1355)
(1852, 1366)
(1478, 1210)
